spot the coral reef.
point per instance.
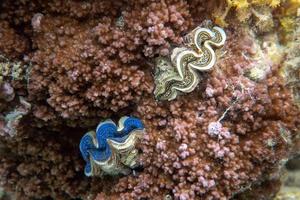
(13, 105)
(194, 163)
(33, 172)
(66, 65)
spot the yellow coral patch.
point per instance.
(240, 4)
(271, 3)
(288, 23)
(274, 3)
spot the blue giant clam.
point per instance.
(111, 150)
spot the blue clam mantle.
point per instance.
(111, 149)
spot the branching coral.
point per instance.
(36, 173)
(94, 59)
(195, 163)
(11, 43)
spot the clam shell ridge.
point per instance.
(111, 148)
(178, 73)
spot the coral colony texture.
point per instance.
(66, 66)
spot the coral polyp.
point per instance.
(197, 55)
(111, 149)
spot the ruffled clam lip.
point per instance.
(111, 149)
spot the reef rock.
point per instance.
(66, 65)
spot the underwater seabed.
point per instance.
(211, 91)
(289, 189)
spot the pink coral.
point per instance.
(93, 60)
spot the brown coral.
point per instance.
(93, 60)
(11, 43)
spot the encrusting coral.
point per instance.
(83, 61)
